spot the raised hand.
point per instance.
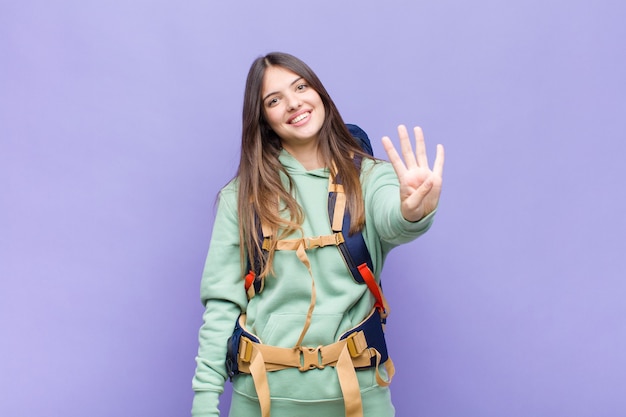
(420, 187)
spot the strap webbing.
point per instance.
(345, 355)
(349, 385)
(259, 376)
(301, 253)
(380, 300)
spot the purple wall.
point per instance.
(119, 122)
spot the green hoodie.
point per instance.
(277, 314)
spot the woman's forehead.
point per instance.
(277, 78)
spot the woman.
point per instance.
(303, 300)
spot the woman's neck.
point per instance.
(308, 156)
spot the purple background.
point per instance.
(119, 122)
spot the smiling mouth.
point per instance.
(299, 118)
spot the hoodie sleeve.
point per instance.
(223, 295)
(382, 205)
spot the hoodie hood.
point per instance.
(294, 167)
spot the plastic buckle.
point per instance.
(356, 343)
(245, 349)
(314, 242)
(309, 359)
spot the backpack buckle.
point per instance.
(356, 343)
(310, 358)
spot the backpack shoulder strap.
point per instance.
(362, 137)
(353, 248)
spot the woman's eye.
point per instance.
(272, 102)
(301, 87)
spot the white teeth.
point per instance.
(300, 118)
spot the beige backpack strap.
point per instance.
(349, 384)
(340, 204)
(259, 376)
(258, 359)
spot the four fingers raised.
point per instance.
(420, 186)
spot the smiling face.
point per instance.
(293, 109)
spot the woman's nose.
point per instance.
(293, 102)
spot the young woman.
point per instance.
(304, 350)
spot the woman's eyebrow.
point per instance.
(276, 92)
